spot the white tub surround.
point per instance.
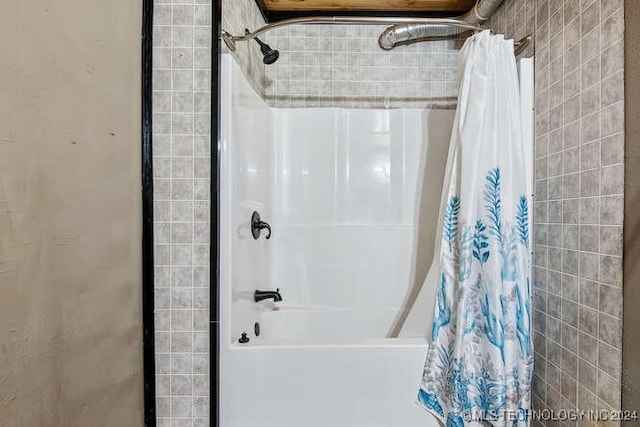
(351, 209)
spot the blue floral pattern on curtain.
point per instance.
(481, 386)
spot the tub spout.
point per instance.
(262, 295)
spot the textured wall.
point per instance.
(343, 66)
(70, 214)
(181, 149)
(579, 151)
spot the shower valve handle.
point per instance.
(257, 225)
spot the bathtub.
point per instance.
(324, 324)
(308, 379)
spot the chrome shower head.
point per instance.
(269, 55)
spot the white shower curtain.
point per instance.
(479, 365)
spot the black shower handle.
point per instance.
(258, 225)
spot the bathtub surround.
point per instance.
(579, 154)
(70, 197)
(339, 188)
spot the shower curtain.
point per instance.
(479, 365)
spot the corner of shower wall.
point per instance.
(246, 180)
(236, 16)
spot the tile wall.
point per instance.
(181, 149)
(579, 173)
(182, 157)
(343, 66)
(236, 16)
(579, 151)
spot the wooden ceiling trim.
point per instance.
(370, 5)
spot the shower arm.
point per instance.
(230, 40)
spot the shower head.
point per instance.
(269, 55)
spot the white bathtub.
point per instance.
(314, 367)
(318, 324)
(368, 383)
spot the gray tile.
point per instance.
(555, 235)
(586, 399)
(609, 389)
(590, 72)
(589, 238)
(571, 184)
(587, 375)
(570, 288)
(590, 18)
(612, 149)
(590, 45)
(588, 348)
(570, 313)
(181, 385)
(612, 59)
(554, 283)
(611, 240)
(570, 363)
(610, 330)
(588, 321)
(571, 211)
(571, 134)
(613, 119)
(611, 270)
(570, 338)
(609, 360)
(589, 295)
(612, 89)
(555, 310)
(588, 265)
(613, 28)
(181, 342)
(612, 179)
(554, 356)
(590, 127)
(590, 155)
(571, 160)
(590, 183)
(570, 262)
(181, 406)
(590, 100)
(554, 212)
(569, 388)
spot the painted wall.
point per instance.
(70, 214)
(579, 183)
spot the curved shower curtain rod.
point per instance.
(230, 40)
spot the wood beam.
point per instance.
(369, 5)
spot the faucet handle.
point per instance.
(257, 225)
